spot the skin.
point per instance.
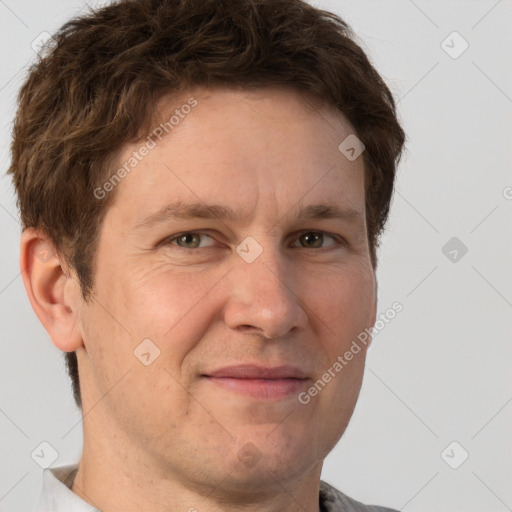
(162, 437)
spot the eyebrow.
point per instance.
(187, 211)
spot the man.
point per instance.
(202, 185)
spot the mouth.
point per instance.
(259, 382)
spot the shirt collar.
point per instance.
(56, 494)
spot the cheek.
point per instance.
(345, 308)
(166, 304)
(130, 307)
(345, 303)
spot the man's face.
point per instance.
(266, 287)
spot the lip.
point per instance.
(258, 381)
(252, 371)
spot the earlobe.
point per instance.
(51, 291)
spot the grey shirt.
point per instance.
(56, 496)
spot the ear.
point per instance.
(53, 291)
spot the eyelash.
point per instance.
(338, 240)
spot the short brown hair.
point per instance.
(93, 91)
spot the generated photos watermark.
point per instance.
(304, 397)
(150, 143)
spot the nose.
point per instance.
(263, 296)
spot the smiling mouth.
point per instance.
(259, 381)
(260, 388)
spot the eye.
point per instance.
(315, 239)
(188, 240)
(194, 239)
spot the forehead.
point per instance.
(239, 147)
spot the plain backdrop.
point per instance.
(437, 387)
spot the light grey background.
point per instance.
(441, 370)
